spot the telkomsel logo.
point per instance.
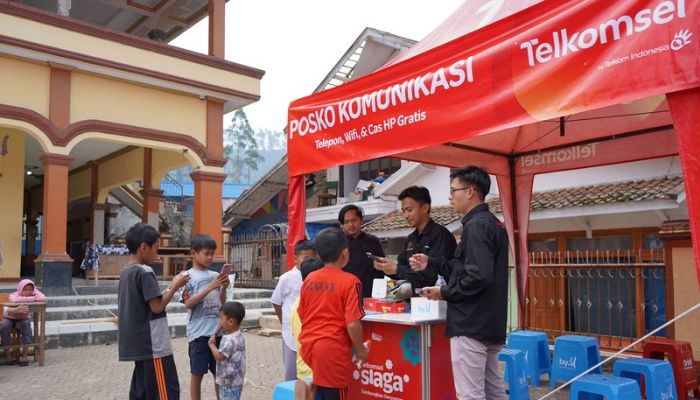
(681, 39)
(565, 42)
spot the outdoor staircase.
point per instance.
(129, 196)
(90, 317)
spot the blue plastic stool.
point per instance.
(536, 349)
(598, 386)
(516, 376)
(285, 390)
(572, 356)
(658, 376)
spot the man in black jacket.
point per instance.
(429, 238)
(359, 244)
(477, 289)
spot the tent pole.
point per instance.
(516, 242)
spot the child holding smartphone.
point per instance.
(203, 296)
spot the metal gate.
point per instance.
(615, 296)
(260, 258)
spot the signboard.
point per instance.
(555, 58)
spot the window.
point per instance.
(652, 241)
(538, 245)
(370, 169)
(619, 242)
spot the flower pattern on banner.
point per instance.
(410, 344)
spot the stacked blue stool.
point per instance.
(572, 356)
(515, 373)
(598, 386)
(658, 376)
(536, 349)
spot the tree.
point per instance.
(241, 147)
(271, 140)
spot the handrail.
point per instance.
(567, 383)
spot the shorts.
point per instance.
(326, 393)
(201, 358)
(155, 379)
(230, 392)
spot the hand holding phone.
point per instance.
(372, 256)
(226, 269)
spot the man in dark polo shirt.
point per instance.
(360, 243)
(428, 238)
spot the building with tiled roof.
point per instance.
(577, 200)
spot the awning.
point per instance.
(563, 84)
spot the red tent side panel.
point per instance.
(685, 108)
(296, 210)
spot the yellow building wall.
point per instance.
(164, 161)
(11, 203)
(53, 36)
(93, 97)
(119, 171)
(25, 85)
(79, 184)
(686, 295)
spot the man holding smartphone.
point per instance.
(428, 238)
(476, 291)
(359, 244)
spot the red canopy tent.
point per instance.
(563, 84)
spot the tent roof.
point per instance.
(470, 16)
(508, 105)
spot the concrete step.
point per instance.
(110, 309)
(269, 332)
(94, 331)
(270, 322)
(89, 319)
(104, 287)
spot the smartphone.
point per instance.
(372, 256)
(226, 269)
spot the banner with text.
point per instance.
(556, 58)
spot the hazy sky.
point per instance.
(297, 42)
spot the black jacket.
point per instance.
(477, 290)
(435, 241)
(361, 266)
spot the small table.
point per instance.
(38, 309)
(91, 260)
(408, 359)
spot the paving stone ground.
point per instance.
(93, 372)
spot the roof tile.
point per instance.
(664, 188)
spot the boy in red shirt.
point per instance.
(330, 309)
